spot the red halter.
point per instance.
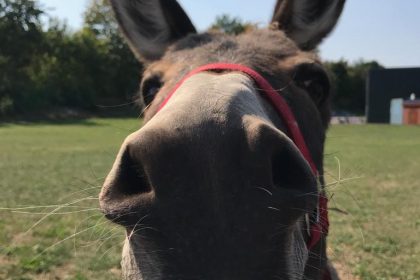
(279, 103)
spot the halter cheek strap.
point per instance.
(320, 226)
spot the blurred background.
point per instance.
(67, 57)
(68, 86)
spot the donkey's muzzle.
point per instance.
(209, 148)
(172, 167)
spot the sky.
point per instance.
(388, 33)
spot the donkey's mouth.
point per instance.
(143, 260)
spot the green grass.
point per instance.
(379, 238)
(54, 164)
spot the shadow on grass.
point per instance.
(81, 122)
(82, 119)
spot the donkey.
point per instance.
(224, 180)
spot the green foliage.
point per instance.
(100, 19)
(6, 105)
(231, 25)
(44, 69)
(349, 81)
(21, 41)
(119, 67)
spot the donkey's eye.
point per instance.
(149, 88)
(313, 79)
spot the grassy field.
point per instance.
(373, 171)
(380, 190)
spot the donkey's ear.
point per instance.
(150, 26)
(307, 22)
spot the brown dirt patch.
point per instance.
(344, 272)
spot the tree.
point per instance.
(120, 68)
(65, 75)
(231, 25)
(21, 41)
(350, 85)
(47, 69)
(100, 19)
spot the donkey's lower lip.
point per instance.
(124, 211)
(127, 218)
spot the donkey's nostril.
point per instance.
(290, 170)
(293, 179)
(289, 174)
(131, 177)
(127, 192)
(293, 182)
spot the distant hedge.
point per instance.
(45, 68)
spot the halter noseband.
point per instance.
(321, 224)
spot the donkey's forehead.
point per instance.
(259, 46)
